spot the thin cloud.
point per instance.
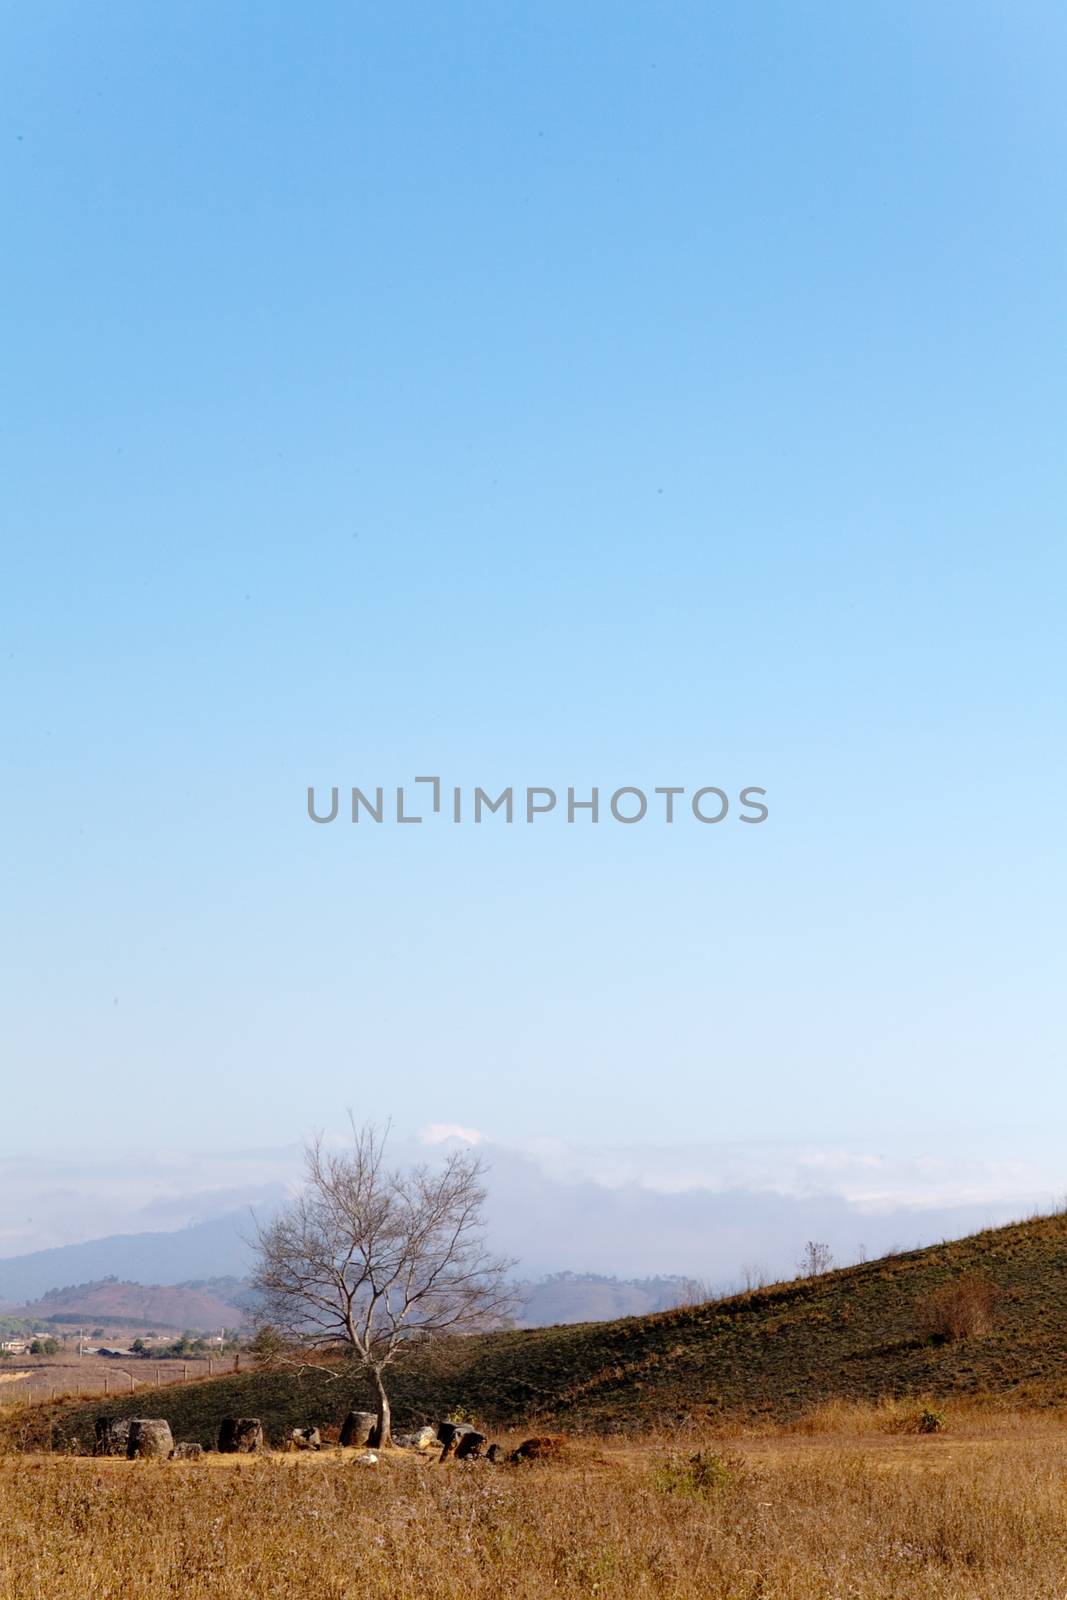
(441, 1132)
(698, 1210)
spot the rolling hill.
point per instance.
(203, 1306)
(774, 1352)
(214, 1303)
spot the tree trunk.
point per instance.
(383, 1433)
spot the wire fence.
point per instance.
(35, 1385)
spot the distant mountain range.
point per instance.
(215, 1249)
(588, 1297)
(195, 1278)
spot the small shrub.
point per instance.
(958, 1310)
(461, 1414)
(930, 1422)
(699, 1475)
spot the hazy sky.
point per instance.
(534, 394)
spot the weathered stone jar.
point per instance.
(150, 1439)
(240, 1435)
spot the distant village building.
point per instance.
(14, 1347)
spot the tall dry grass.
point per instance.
(966, 1417)
(840, 1522)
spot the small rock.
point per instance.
(459, 1439)
(546, 1447)
(421, 1439)
(469, 1445)
(306, 1439)
(187, 1451)
(367, 1459)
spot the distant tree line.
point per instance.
(190, 1346)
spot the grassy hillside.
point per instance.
(774, 1352)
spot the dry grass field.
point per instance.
(846, 1505)
(68, 1374)
(819, 1441)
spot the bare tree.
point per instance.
(690, 1292)
(374, 1259)
(816, 1259)
(755, 1275)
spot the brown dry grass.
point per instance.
(834, 1515)
(985, 1417)
(69, 1376)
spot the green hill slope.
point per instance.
(775, 1352)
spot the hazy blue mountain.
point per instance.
(196, 1256)
(591, 1297)
(213, 1249)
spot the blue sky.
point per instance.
(552, 394)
